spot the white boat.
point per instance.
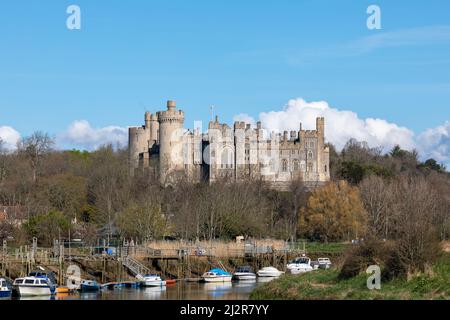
(324, 263)
(217, 275)
(270, 272)
(152, 280)
(34, 286)
(244, 274)
(300, 265)
(5, 289)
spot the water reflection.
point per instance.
(181, 291)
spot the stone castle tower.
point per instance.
(163, 147)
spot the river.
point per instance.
(180, 291)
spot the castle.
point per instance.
(164, 148)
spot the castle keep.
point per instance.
(164, 148)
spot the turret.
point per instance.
(170, 140)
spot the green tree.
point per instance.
(47, 227)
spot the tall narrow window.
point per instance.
(284, 165)
(296, 165)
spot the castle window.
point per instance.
(227, 158)
(284, 165)
(326, 168)
(296, 165)
(310, 154)
(310, 167)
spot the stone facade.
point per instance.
(163, 147)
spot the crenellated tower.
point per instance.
(170, 142)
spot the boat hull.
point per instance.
(300, 270)
(87, 288)
(33, 291)
(153, 283)
(217, 279)
(5, 293)
(270, 274)
(245, 276)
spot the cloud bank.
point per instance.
(82, 135)
(342, 125)
(9, 137)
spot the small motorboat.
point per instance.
(269, 272)
(89, 286)
(34, 286)
(244, 273)
(217, 275)
(5, 289)
(152, 280)
(324, 263)
(300, 265)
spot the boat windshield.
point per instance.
(244, 269)
(301, 261)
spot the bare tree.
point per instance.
(34, 148)
(377, 198)
(299, 198)
(2, 161)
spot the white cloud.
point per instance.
(245, 118)
(82, 135)
(340, 125)
(435, 143)
(10, 137)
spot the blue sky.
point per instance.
(241, 56)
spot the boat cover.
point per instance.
(220, 272)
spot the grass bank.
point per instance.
(324, 285)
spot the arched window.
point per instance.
(296, 165)
(310, 154)
(310, 167)
(227, 159)
(284, 165)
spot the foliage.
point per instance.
(334, 212)
(47, 227)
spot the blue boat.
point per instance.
(5, 289)
(89, 286)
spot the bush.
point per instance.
(359, 258)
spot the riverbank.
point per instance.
(325, 285)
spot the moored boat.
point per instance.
(89, 286)
(152, 280)
(269, 272)
(5, 289)
(217, 275)
(34, 286)
(244, 273)
(300, 265)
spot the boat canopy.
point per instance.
(219, 272)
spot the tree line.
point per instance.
(91, 195)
